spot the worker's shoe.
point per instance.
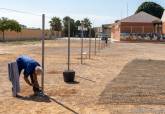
(40, 94)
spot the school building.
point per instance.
(137, 24)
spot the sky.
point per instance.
(98, 11)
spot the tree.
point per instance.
(151, 8)
(8, 24)
(56, 24)
(87, 24)
(93, 32)
(72, 26)
(77, 24)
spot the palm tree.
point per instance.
(56, 24)
(87, 24)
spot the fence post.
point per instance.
(68, 44)
(43, 50)
(82, 42)
(89, 43)
(95, 44)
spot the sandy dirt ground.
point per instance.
(124, 78)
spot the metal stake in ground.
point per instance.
(69, 75)
(100, 35)
(99, 44)
(82, 42)
(68, 44)
(43, 51)
(89, 43)
(95, 44)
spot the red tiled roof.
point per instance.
(141, 17)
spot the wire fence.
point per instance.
(37, 26)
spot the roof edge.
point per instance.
(138, 13)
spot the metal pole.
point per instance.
(100, 31)
(105, 41)
(99, 44)
(43, 50)
(95, 44)
(82, 43)
(109, 40)
(68, 44)
(89, 43)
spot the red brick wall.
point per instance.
(137, 27)
(124, 27)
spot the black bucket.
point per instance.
(69, 76)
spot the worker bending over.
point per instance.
(31, 69)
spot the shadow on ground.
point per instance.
(35, 98)
(140, 82)
(46, 99)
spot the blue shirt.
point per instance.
(27, 64)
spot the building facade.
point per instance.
(163, 23)
(137, 24)
(107, 29)
(163, 27)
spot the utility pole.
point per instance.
(127, 9)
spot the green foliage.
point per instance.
(8, 24)
(4, 25)
(92, 32)
(56, 24)
(77, 24)
(87, 23)
(14, 26)
(72, 26)
(151, 8)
